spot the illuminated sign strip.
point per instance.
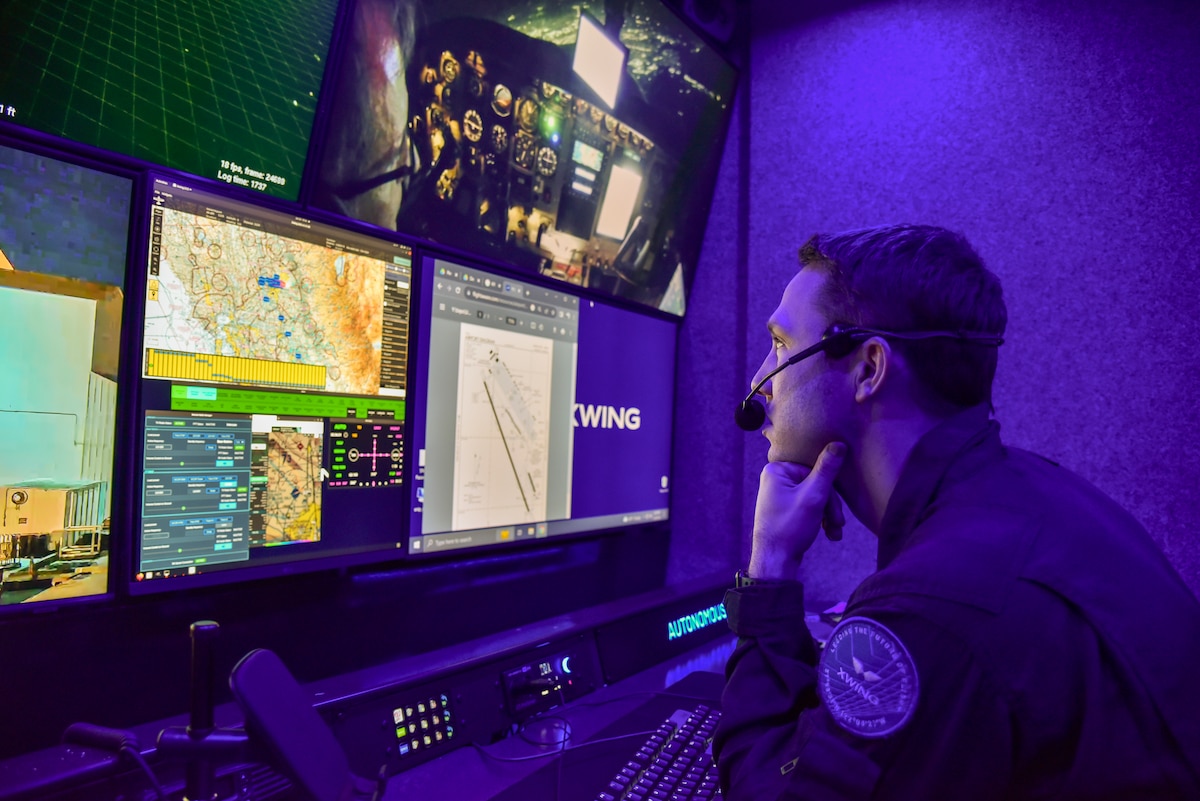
(695, 621)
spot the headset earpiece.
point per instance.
(842, 341)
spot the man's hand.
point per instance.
(794, 503)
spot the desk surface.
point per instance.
(480, 774)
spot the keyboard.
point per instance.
(674, 764)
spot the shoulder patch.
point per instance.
(867, 679)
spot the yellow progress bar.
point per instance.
(232, 370)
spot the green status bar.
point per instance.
(185, 398)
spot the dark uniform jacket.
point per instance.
(1022, 638)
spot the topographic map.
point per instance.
(227, 290)
(502, 430)
(292, 511)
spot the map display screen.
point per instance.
(274, 361)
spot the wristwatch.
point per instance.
(741, 579)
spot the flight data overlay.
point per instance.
(546, 414)
(274, 360)
(63, 235)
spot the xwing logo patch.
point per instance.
(867, 678)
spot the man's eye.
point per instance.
(776, 343)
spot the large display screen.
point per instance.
(546, 414)
(226, 90)
(63, 234)
(578, 141)
(274, 361)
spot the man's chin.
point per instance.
(778, 454)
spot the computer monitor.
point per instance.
(577, 142)
(63, 234)
(274, 369)
(545, 414)
(223, 90)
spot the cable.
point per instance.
(563, 750)
(115, 741)
(133, 754)
(565, 729)
(656, 693)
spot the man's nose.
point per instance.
(763, 369)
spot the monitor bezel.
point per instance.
(418, 367)
(251, 572)
(707, 186)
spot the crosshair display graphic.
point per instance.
(365, 453)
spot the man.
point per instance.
(1022, 636)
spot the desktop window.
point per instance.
(63, 234)
(546, 414)
(274, 362)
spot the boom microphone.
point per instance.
(838, 342)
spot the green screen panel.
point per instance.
(251, 401)
(225, 90)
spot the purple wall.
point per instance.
(1063, 138)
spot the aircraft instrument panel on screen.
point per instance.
(274, 355)
(578, 141)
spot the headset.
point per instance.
(839, 341)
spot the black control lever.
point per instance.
(200, 742)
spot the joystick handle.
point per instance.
(200, 773)
(204, 638)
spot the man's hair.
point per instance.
(916, 278)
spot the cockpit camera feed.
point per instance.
(578, 141)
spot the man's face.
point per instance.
(808, 404)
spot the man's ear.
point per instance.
(872, 369)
